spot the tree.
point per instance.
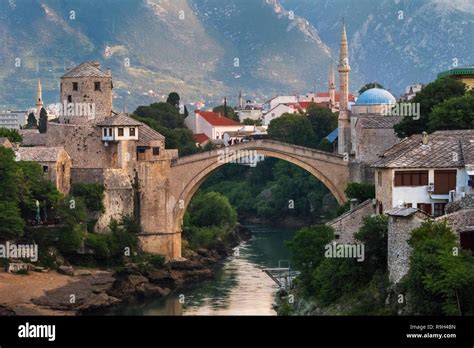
(173, 99)
(454, 113)
(211, 209)
(360, 191)
(250, 122)
(226, 111)
(370, 86)
(373, 234)
(323, 121)
(293, 129)
(31, 123)
(43, 121)
(11, 222)
(441, 276)
(307, 250)
(165, 114)
(12, 134)
(430, 96)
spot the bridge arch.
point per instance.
(333, 174)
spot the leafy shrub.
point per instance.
(92, 194)
(157, 261)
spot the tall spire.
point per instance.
(344, 136)
(39, 97)
(332, 86)
(241, 101)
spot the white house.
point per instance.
(426, 171)
(212, 124)
(119, 127)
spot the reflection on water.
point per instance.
(239, 287)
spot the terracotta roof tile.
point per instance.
(86, 69)
(216, 119)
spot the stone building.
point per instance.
(426, 171)
(55, 161)
(401, 221)
(85, 94)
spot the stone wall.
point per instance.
(118, 200)
(349, 223)
(399, 231)
(383, 189)
(82, 142)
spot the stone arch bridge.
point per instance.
(166, 188)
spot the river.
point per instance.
(239, 287)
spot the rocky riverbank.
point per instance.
(89, 291)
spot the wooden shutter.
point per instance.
(445, 181)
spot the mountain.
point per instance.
(204, 49)
(396, 42)
(207, 49)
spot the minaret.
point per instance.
(241, 101)
(332, 87)
(344, 124)
(39, 98)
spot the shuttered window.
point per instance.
(445, 181)
(411, 178)
(426, 207)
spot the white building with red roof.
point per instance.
(211, 124)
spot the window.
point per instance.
(63, 168)
(408, 205)
(120, 132)
(411, 178)
(379, 178)
(45, 169)
(439, 209)
(96, 86)
(445, 181)
(426, 207)
(217, 135)
(69, 98)
(105, 132)
(75, 86)
(156, 151)
(132, 132)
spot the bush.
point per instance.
(92, 194)
(70, 239)
(360, 191)
(157, 261)
(211, 209)
(205, 237)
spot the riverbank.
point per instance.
(88, 291)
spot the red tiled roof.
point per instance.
(300, 105)
(216, 119)
(326, 95)
(200, 138)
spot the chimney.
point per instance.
(96, 64)
(353, 203)
(424, 137)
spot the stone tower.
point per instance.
(39, 98)
(86, 94)
(344, 125)
(332, 87)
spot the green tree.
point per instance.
(31, 122)
(173, 99)
(9, 176)
(430, 96)
(441, 276)
(166, 114)
(11, 222)
(250, 122)
(293, 129)
(43, 121)
(360, 191)
(92, 194)
(307, 250)
(211, 209)
(12, 134)
(454, 113)
(370, 85)
(323, 121)
(227, 111)
(373, 235)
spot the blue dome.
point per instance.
(376, 96)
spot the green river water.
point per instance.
(239, 287)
